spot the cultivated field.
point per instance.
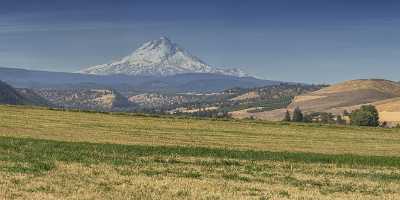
(47, 154)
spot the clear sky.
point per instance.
(320, 41)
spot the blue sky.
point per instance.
(314, 41)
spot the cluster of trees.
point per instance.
(320, 117)
(297, 116)
(206, 114)
(366, 115)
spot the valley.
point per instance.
(268, 102)
(161, 77)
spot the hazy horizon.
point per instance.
(307, 41)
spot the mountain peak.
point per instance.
(165, 38)
(160, 57)
(162, 41)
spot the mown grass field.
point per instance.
(46, 154)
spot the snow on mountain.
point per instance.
(159, 57)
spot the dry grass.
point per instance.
(203, 178)
(346, 94)
(273, 115)
(137, 157)
(384, 86)
(307, 97)
(393, 117)
(122, 129)
(389, 110)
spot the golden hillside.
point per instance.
(381, 85)
(347, 94)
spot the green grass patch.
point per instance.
(35, 156)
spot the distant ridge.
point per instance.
(192, 82)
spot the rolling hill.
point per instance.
(351, 95)
(345, 96)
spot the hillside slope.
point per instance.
(8, 95)
(32, 97)
(351, 95)
(20, 96)
(347, 94)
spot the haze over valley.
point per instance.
(162, 77)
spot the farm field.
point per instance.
(48, 154)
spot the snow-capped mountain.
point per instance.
(159, 57)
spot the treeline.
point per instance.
(366, 115)
(206, 114)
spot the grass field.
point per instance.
(46, 154)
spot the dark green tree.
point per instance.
(287, 117)
(367, 115)
(297, 115)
